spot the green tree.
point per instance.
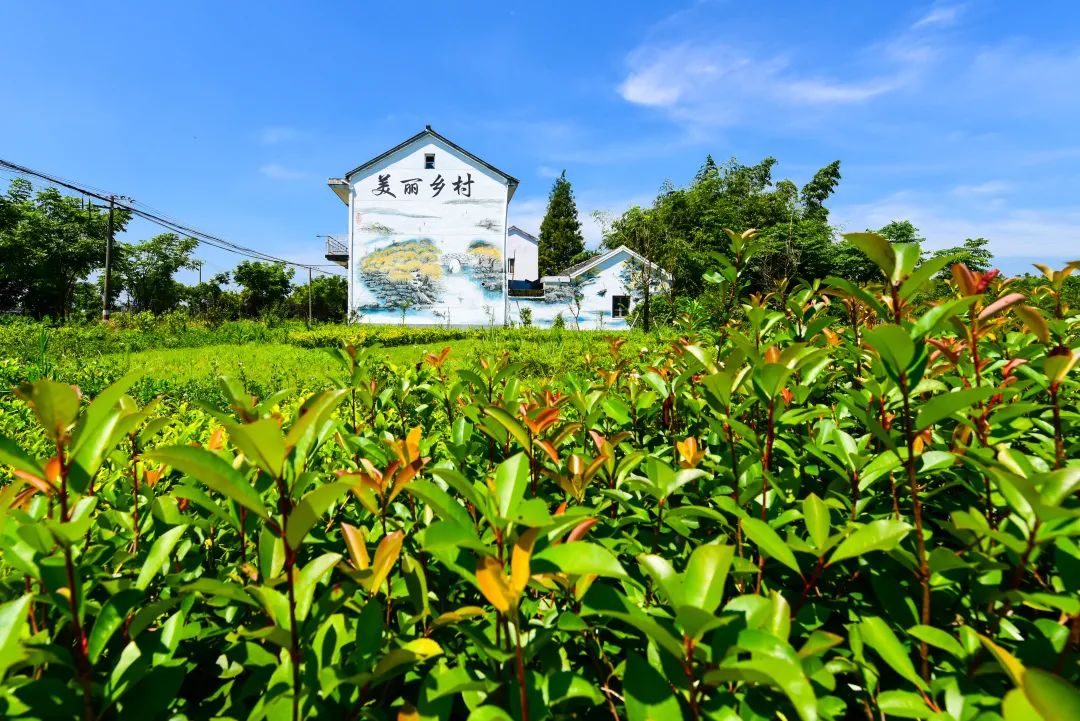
(145, 271)
(900, 231)
(560, 232)
(265, 286)
(973, 253)
(329, 298)
(49, 243)
(212, 300)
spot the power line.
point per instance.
(159, 219)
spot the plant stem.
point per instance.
(523, 694)
(924, 566)
(82, 660)
(1059, 440)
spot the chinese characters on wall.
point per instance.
(385, 185)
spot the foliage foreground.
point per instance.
(851, 505)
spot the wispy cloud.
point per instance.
(1014, 231)
(714, 84)
(277, 134)
(275, 171)
(941, 15)
(990, 188)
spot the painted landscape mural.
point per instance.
(428, 237)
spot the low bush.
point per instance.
(813, 514)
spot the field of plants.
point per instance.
(841, 502)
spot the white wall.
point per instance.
(442, 252)
(610, 278)
(524, 251)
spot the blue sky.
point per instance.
(962, 117)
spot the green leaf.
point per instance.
(816, 517)
(440, 502)
(213, 472)
(308, 577)
(512, 425)
(310, 509)
(1051, 695)
(109, 619)
(706, 573)
(158, 556)
(879, 637)
(907, 255)
(12, 455)
(903, 704)
(648, 695)
(877, 248)
(880, 535)
(938, 639)
(926, 270)
(13, 616)
(55, 404)
(942, 406)
(931, 319)
(578, 559)
(511, 479)
(770, 543)
(261, 441)
(893, 344)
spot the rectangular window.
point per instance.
(510, 266)
(429, 161)
(620, 306)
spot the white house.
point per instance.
(522, 255)
(601, 292)
(428, 244)
(427, 235)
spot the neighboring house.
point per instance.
(522, 255)
(428, 244)
(600, 292)
(427, 235)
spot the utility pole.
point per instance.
(108, 263)
(198, 265)
(309, 296)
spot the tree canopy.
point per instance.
(560, 232)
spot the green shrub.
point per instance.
(813, 515)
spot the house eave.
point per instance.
(511, 182)
(340, 186)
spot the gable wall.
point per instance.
(442, 253)
(524, 253)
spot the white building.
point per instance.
(428, 244)
(522, 255)
(601, 292)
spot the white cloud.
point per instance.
(1012, 231)
(711, 84)
(988, 189)
(942, 15)
(274, 171)
(275, 135)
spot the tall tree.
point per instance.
(145, 270)
(329, 298)
(560, 233)
(49, 243)
(973, 253)
(265, 286)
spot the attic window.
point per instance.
(429, 161)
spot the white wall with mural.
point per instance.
(427, 228)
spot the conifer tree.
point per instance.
(560, 233)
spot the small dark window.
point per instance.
(429, 161)
(510, 266)
(620, 306)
